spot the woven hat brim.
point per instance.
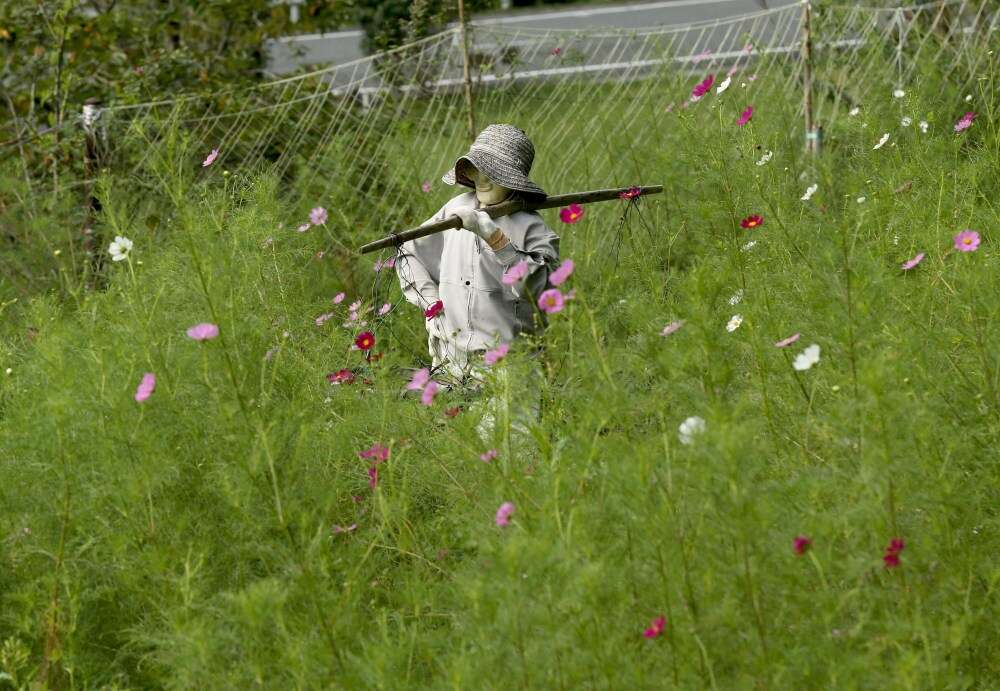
(497, 170)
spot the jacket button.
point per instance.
(467, 283)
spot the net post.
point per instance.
(466, 78)
(89, 117)
(812, 132)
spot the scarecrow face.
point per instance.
(487, 191)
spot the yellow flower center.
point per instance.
(967, 241)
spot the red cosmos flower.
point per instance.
(752, 221)
(891, 556)
(571, 213)
(745, 116)
(376, 451)
(655, 627)
(800, 544)
(342, 376)
(365, 341)
(630, 193)
(434, 310)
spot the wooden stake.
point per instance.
(466, 76)
(91, 168)
(812, 134)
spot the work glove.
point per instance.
(478, 222)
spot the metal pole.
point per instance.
(812, 134)
(465, 71)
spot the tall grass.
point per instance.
(188, 541)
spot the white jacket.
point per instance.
(461, 270)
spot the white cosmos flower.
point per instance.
(765, 158)
(734, 323)
(881, 142)
(807, 358)
(737, 297)
(906, 122)
(898, 93)
(923, 126)
(968, 98)
(810, 191)
(120, 248)
(724, 85)
(689, 428)
(749, 246)
(854, 111)
(861, 200)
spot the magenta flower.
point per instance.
(145, 388)
(387, 264)
(339, 298)
(630, 193)
(965, 122)
(784, 342)
(492, 357)
(434, 310)
(891, 556)
(551, 301)
(210, 159)
(571, 213)
(419, 379)
(376, 451)
(967, 241)
(745, 116)
(559, 276)
(504, 513)
(655, 627)
(515, 273)
(430, 390)
(910, 263)
(318, 216)
(702, 87)
(425, 186)
(672, 327)
(555, 51)
(488, 455)
(372, 477)
(341, 376)
(800, 544)
(203, 331)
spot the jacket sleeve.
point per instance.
(539, 247)
(418, 266)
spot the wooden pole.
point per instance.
(812, 134)
(505, 209)
(466, 75)
(91, 167)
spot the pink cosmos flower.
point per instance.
(318, 216)
(210, 159)
(419, 379)
(555, 51)
(337, 530)
(504, 513)
(733, 70)
(748, 48)
(323, 318)
(341, 376)
(630, 193)
(910, 263)
(304, 227)
(560, 275)
(551, 301)
(752, 78)
(492, 357)
(702, 87)
(488, 456)
(387, 264)
(800, 544)
(785, 342)
(430, 390)
(571, 213)
(515, 273)
(384, 309)
(372, 477)
(434, 310)
(203, 331)
(965, 122)
(354, 306)
(655, 627)
(669, 108)
(672, 327)
(967, 241)
(376, 451)
(701, 56)
(339, 298)
(745, 116)
(145, 388)
(425, 186)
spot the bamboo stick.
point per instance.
(505, 209)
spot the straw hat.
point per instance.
(504, 154)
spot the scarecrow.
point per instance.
(455, 275)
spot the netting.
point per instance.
(382, 128)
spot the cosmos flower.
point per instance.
(504, 513)
(146, 387)
(341, 376)
(555, 51)
(765, 158)
(854, 111)
(376, 451)
(339, 298)
(752, 221)
(785, 342)
(384, 309)
(304, 227)
(810, 191)
(551, 301)
(425, 186)
(891, 556)
(924, 125)
(800, 544)
(430, 390)
(737, 297)
(655, 627)
(910, 263)
(691, 427)
(120, 248)
(372, 477)
(630, 193)
(337, 530)
(419, 379)
(881, 142)
(898, 93)
(515, 273)
(434, 310)
(723, 85)
(807, 358)
(745, 116)
(318, 216)
(210, 159)
(702, 87)
(672, 327)
(571, 213)
(967, 241)
(734, 323)
(965, 122)
(492, 357)
(559, 276)
(906, 121)
(387, 264)
(488, 456)
(365, 341)
(203, 331)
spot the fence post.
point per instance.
(812, 132)
(465, 71)
(91, 168)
